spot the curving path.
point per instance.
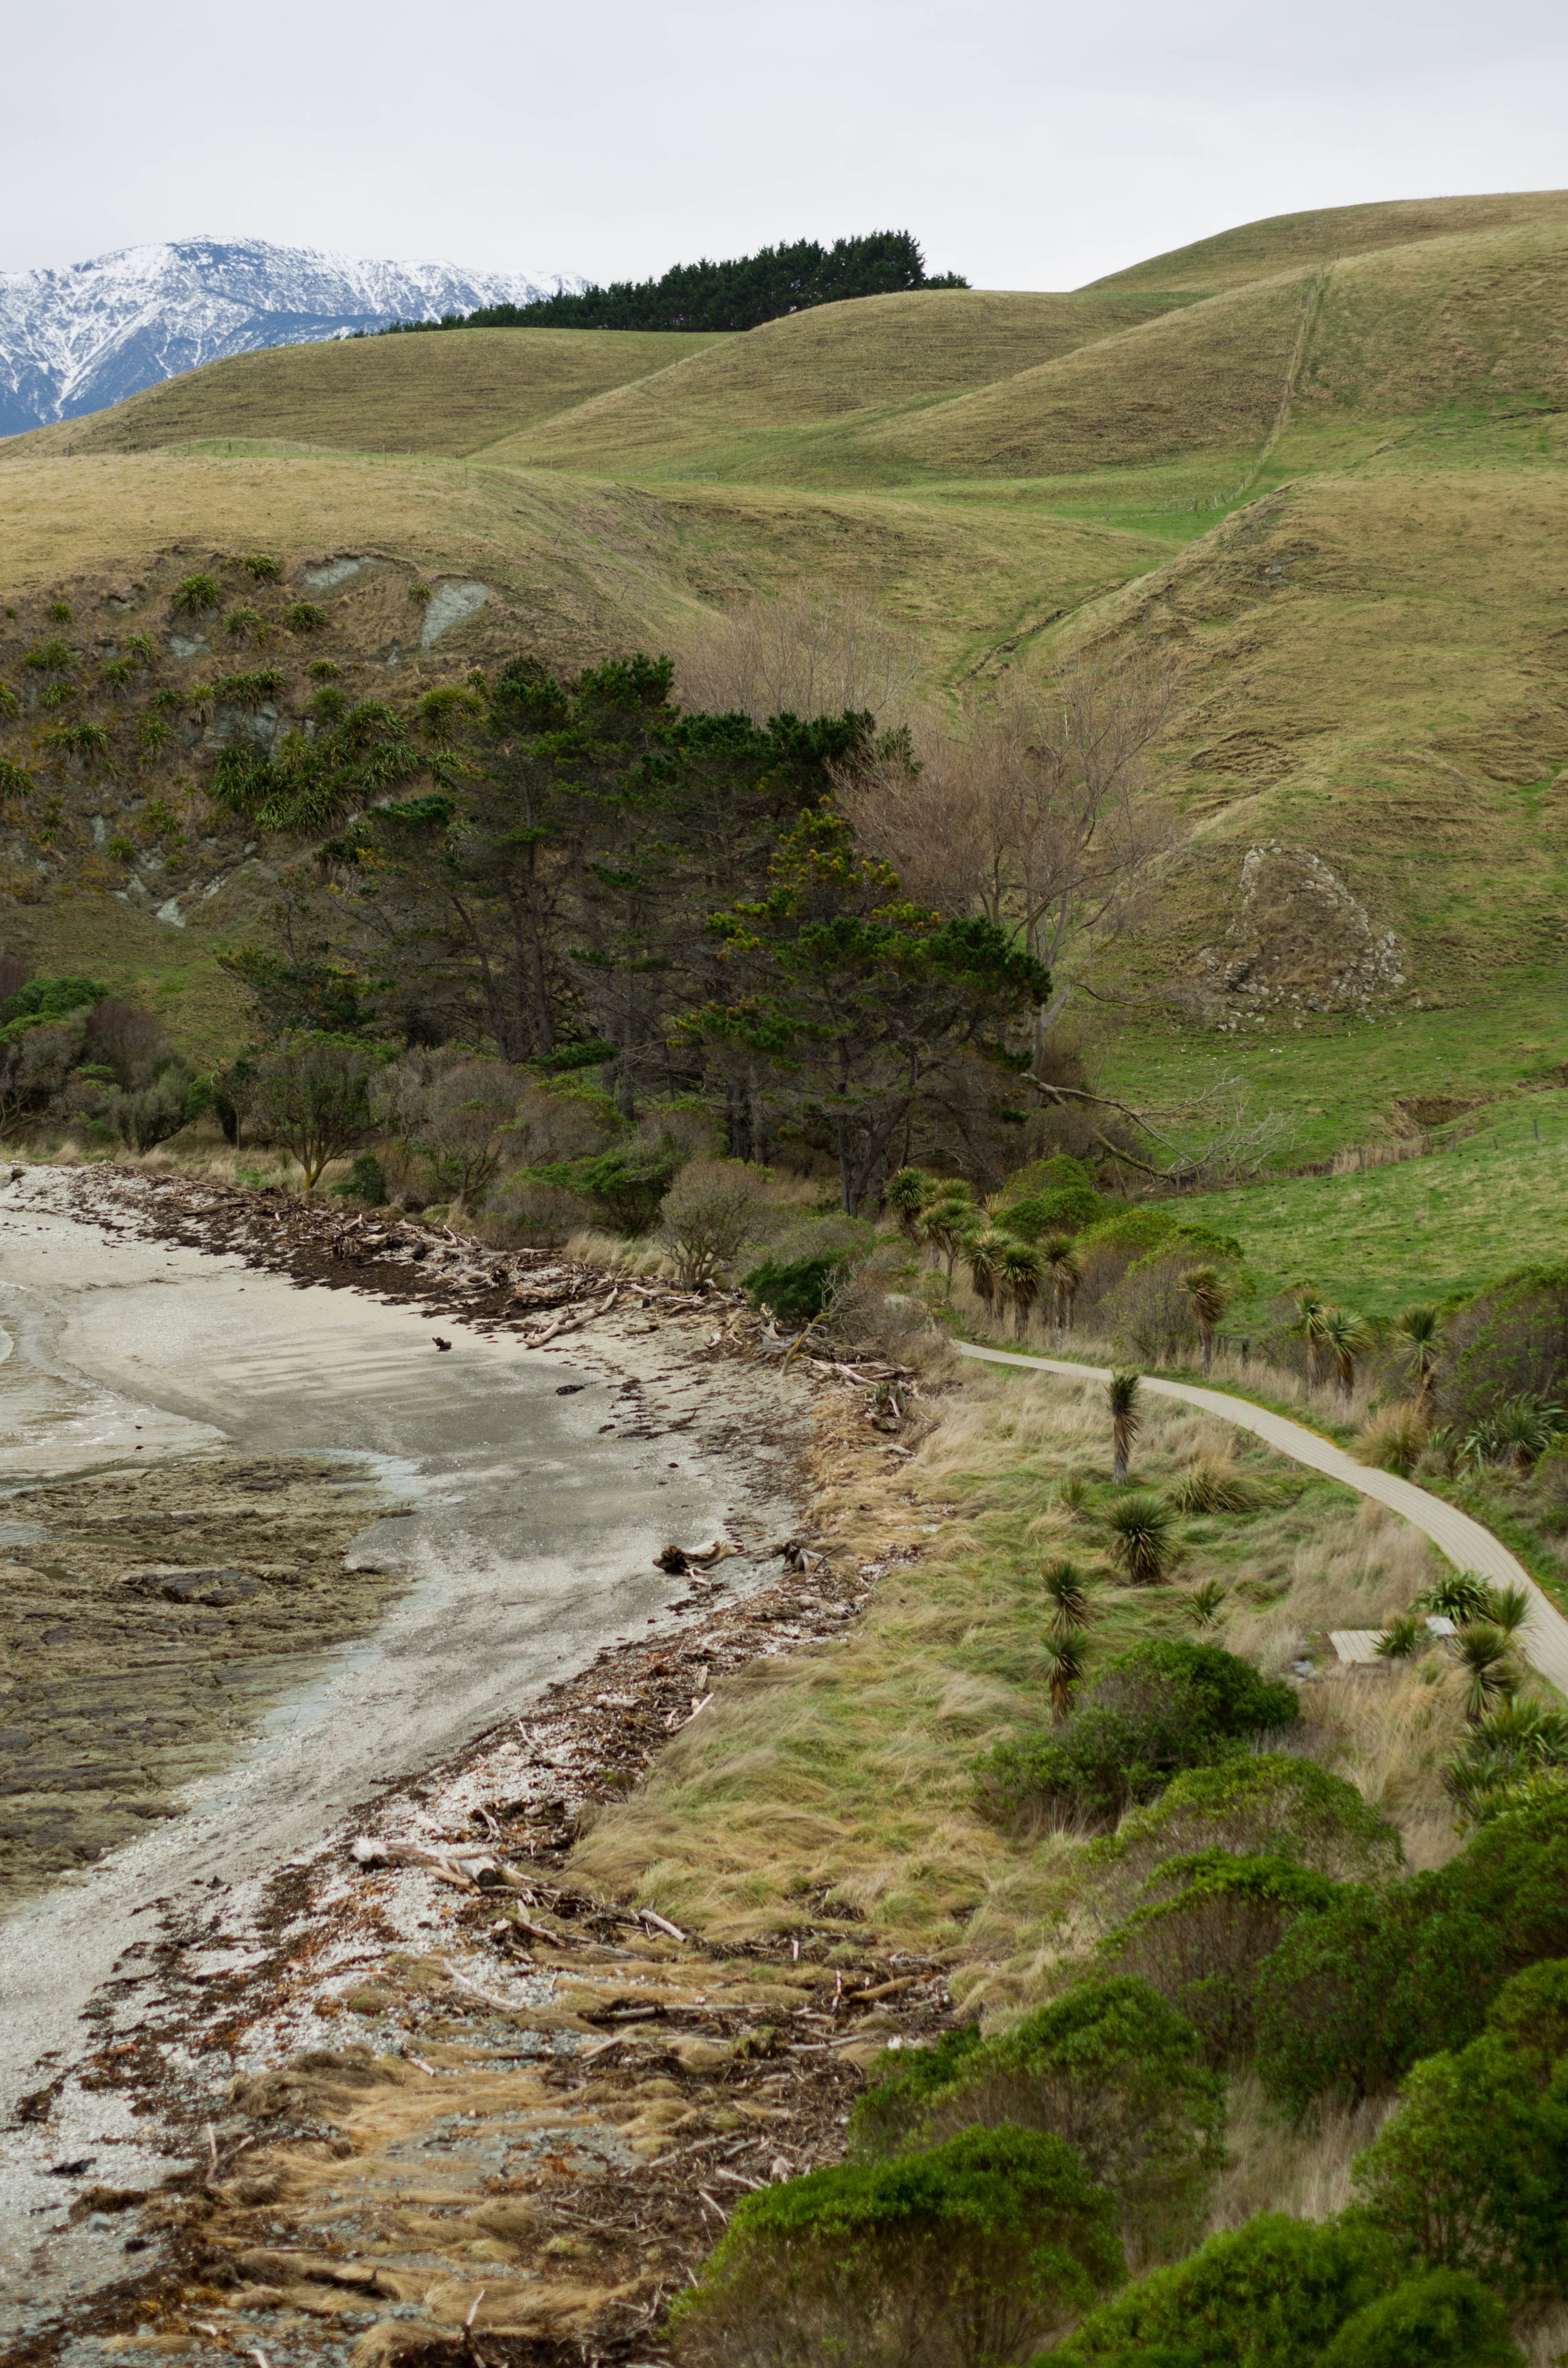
(1465, 1541)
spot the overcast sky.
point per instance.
(1028, 144)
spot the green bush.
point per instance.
(1113, 2070)
(969, 2255)
(260, 568)
(193, 594)
(628, 1185)
(899, 2087)
(52, 998)
(1445, 2319)
(1267, 1802)
(366, 1180)
(1529, 2014)
(50, 658)
(1353, 1996)
(16, 781)
(1146, 1713)
(1201, 1947)
(1472, 2172)
(1267, 2295)
(10, 704)
(797, 1290)
(250, 689)
(304, 617)
(1066, 1210)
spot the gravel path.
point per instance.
(1465, 1541)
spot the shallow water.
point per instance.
(529, 1543)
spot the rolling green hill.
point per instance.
(1317, 459)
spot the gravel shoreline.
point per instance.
(446, 2016)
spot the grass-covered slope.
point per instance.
(782, 403)
(451, 393)
(1282, 242)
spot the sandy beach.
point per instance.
(462, 1528)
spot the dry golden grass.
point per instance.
(761, 406)
(1257, 250)
(447, 392)
(846, 1770)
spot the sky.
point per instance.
(1027, 143)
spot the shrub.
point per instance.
(150, 1114)
(60, 612)
(1148, 1711)
(1350, 2000)
(1445, 2319)
(126, 1041)
(629, 1184)
(709, 1212)
(1141, 1539)
(1267, 2295)
(1211, 1484)
(50, 998)
(1202, 1946)
(969, 2255)
(16, 781)
(797, 1290)
(250, 689)
(304, 617)
(152, 734)
(80, 739)
(242, 620)
(324, 670)
(1267, 1802)
(366, 1181)
(193, 594)
(50, 658)
(1351, 1997)
(421, 593)
(1067, 1209)
(10, 704)
(1471, 2173)
(1114, 2070)
(900, 2086)
(312, 1094)
(119, 672)
(1529, 2015)
(260, 568)
(1395, 1439)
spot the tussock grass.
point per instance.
(847, 1770)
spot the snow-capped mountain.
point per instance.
(74, 340)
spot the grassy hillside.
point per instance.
(782, 403)
(1317, 459)
(1257, 250)
(449, 392)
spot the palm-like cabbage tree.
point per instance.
(1061, 1265)
(1508, 1610)
(1208, 1298)
(1345, 1337)
(1069, 1596)
(1126, 1421)
(1139, 1526)
(1420, 1333)
(944, 1224)
(982, 1254)
(1202, 1605)
(1458, 1595)
(1065, 1660)
(907, 1195)
(1404, 1634)
(1489, 1673)
(1022, 1271)
(1311, 1310)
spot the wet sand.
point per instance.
(528, 1542)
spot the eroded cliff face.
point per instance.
(1300, 942)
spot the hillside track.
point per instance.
(1465, 1541)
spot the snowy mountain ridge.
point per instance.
(76, 339)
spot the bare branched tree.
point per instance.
(805, 653)
(1037, 809)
